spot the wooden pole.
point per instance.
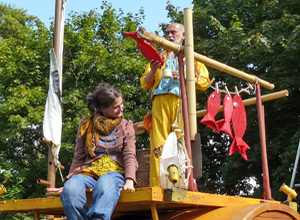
(43, 182)
(51, 167)
(262, 132)
(56, 34)
(203, 59)
(295, 169)
(190, 71)
(37, 216)
(192, 186)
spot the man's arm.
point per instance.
(148, 78)
(201, 76)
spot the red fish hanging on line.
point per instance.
(213, 105)
(148, 51)
(239, 124)
(225, 124)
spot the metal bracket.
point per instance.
(175, 195)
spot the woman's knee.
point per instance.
(73, 185)
(106, 181)
(73, 188)
(110, 181)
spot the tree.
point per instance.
(260, 38)
(95, 50)
(23, 64)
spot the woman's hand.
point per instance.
(128, 185)
(59, 190)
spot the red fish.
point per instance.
(213, 105)
(239, 123)
(148, 51)
(225, 124)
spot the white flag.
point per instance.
(52, 124)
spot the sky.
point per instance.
(155, 12)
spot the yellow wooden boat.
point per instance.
(157, 203)
(174, 204)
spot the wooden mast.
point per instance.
(56, 34)
(51, 167)
(190, 71)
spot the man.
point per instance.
(165, 96)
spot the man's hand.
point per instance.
(175, 74)
(154, 65)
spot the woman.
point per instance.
(104, 158)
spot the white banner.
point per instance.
(52, 124)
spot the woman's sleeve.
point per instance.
(79, 154)
(129, 152)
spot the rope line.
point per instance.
(250, 89)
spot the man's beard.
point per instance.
(174, 41)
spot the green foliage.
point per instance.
(95, 51)
(260, 38)
(24, 66)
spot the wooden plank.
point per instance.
(142, 195)
(207, 199)
(26, 205)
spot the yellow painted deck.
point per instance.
(158, 203)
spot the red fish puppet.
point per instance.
(239, 123)
(225, 124)
(213, 105)
(148, 51)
